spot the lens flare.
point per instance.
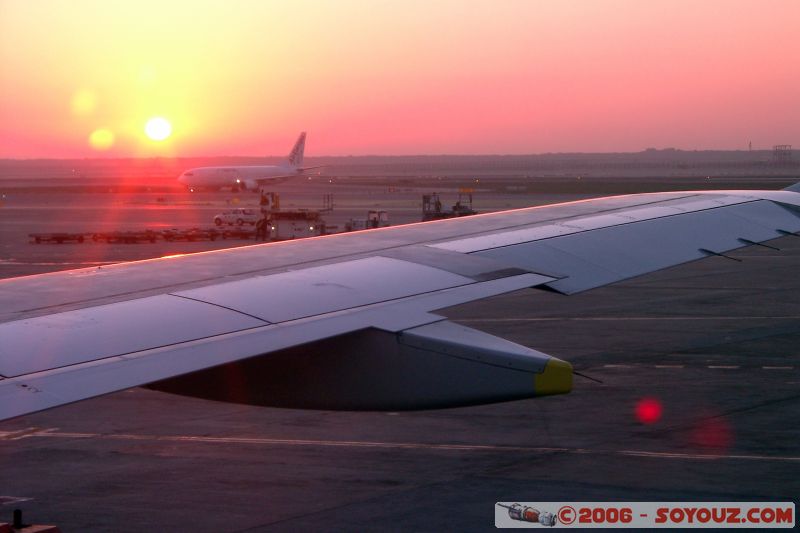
(648, 410)
(101, 139)
(713, 433)
(83, 102)
(158, 128)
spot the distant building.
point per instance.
(782, 154)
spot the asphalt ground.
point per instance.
(716, 344)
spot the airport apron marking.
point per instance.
(54, 433)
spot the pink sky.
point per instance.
(397, 77)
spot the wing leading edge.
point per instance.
(357, 330)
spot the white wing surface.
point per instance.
(348, 321)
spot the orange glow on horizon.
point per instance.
(237, 78)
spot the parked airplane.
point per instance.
(349, 321)
(250, 177)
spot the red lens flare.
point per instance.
(648, 410)
(715, 433)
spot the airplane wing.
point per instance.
(348, 321)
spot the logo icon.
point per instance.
(524, 513)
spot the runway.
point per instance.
(715, 343)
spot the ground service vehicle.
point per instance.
(238, 217)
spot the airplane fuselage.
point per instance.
(251, 177)
(244, 177)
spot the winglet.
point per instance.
(296, 155)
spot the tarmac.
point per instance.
(715, 343)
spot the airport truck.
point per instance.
(287, 225)
(432, 208)
(375, 219)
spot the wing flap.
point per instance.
(619, 216)
(604, 249)
(66, 383)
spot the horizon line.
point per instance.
(283, 156)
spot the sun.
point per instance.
(158, 128)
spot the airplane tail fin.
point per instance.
(793, 188)
(296, 155)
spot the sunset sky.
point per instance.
(81, 78)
